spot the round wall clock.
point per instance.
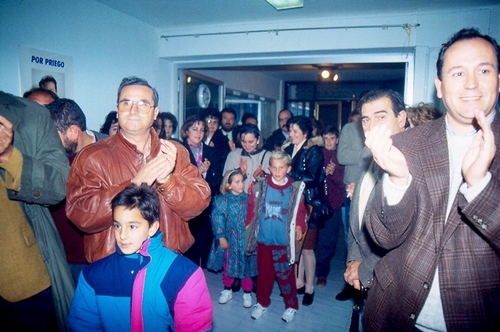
(203, 95)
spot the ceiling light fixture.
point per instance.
(325, 73)
(328, 74)
(286, 4)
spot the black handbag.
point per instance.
(321, 209)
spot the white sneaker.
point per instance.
(258, 311)
(225, 296)
(247, 300)
(288, 315)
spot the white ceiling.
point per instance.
(176, 14)
(168, 15)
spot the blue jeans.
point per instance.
(327, 243)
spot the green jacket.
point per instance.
(45, 170)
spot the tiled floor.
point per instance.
(325, 314)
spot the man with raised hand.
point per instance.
(437, 209)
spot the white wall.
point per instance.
(250, 82)
(351, 44)
(106, 46)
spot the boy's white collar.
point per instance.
(279, 184)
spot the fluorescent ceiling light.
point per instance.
(286, 4)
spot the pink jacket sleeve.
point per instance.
(193, 306)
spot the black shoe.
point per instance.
(301, 290)
(308, 299)
(346, 294)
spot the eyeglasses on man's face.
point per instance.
(126, 105)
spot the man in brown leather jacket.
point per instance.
(134, 155)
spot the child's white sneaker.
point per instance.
(258, 311)
(225, 296)
(288, 315)
(247, 300)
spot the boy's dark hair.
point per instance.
(465, 34)
(47, 79)
(133, 80)
(330, 130)
(143, 197)
(108, 122)
(65, 113)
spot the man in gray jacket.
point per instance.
(378, 107)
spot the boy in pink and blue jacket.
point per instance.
(143, 286)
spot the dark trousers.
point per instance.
(346, 212)
(201, 229)
(36, 313)
(327, 243)
(272, 262)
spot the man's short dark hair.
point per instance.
(47, 79)
(133, 80)
(247, 116)
(397, 101)
(143, 197)
(65, 113)
(229, 110)
(40, 91)
(285, 110)
(465, 34)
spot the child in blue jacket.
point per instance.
(228, 248)
(143, 286)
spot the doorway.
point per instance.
(329, 113)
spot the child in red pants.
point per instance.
(276, 220)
